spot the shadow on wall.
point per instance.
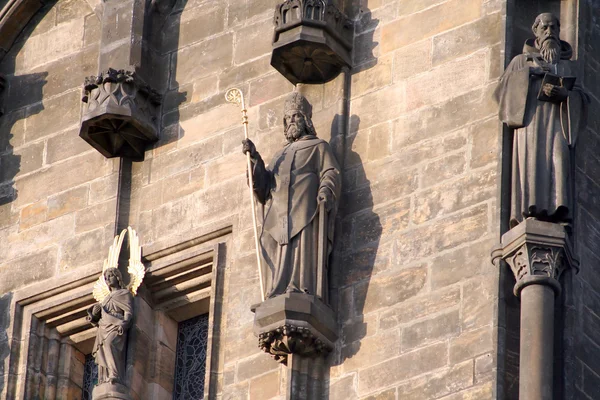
(5, 302)
(357, 247)
(22, 97)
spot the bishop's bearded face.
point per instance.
(295, 126)
(547, 33)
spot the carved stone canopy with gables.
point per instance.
(312, 41)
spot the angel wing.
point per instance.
(101, 289)
(135, 269)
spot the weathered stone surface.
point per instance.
(478, 303)
(436, 385)
(389, 394)
(431, 330)
(61, 41)
(265, 386)
(471, 344)
(33, 214)
(460, 264)
(255, 366)
(403, 367)
(483, 392)
(63, 111)
(344, 388)
(420, 306)
(374, 78)
(28, 269)
(82, 249)
(22, 161)
(65, 145)
(383, 291)
(433, 20)
(443, 169)
(192, 26)
(484, 368)
(371, 350)
(66, 202)
(216, 53)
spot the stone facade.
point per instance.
(422, 312)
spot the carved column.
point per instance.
(537, 253)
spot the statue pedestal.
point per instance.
(295, 323)
(111, 391)
(538, 253)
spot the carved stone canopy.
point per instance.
(295, 323)
(312, 41)
(119, 116)
(537, 252)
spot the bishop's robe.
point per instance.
(545, 132)
(288, 188)
(111, 336)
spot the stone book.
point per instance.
(567, 82)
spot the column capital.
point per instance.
(537, 252)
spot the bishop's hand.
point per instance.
(325, 196)
(249, 147)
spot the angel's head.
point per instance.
(113, 278)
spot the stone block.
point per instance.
(431, 330)
(389, 394)
(205, 88)
(103, 189)
(412, 60)
(431, 21)
(72, 9)
(252, 41)
(479, 299)
(58, 42)
(224, 168)
(443, 169)
(371, 350)
(373, 78)
(207, 125)
(268, 87)
(21, 161)
(401, 368)
(239, 74)
(438, 384)
(389, 220)
(82, 249)
(468, 38)
(379, 144)
(419, 307)
(62, 176)
(484, 368)
(245, 11)
(364, 327)
(29, 269)
(216, 54)
(453, 195)
(193, 25)
(425, 149)
(66, 202)
(383, 292)
(471, 344)
(96, 216)
(255, 366)
(485, 141)
(63, 111)
(33, 214)
(480, 392)
(65, 145)
(183, 184)
(165, 368)
(376, 107)
(447, 81)
(265, 386)
(465, 227)
(236, 392)
(460, 264)
(93, 30)
(439, 119)
(344, 388)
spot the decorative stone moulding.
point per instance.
(538, 253)
(312, 41)
(295, 323)
(119, 116)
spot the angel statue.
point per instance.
(113, 313)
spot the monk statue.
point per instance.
(299, 191)
(113, 316)
(541, 100)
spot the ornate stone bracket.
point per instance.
(120, 114)
(312, 41)
(537, 252)
(295, 323)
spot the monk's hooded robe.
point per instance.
(109, 348)
(289, 188)
(545, 132)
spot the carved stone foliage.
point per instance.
(537, 252)
(312, 42)
(120, 114)
(291, 339)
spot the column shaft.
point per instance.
(537, 343)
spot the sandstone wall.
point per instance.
(415, 292)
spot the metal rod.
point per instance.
(236, 96)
